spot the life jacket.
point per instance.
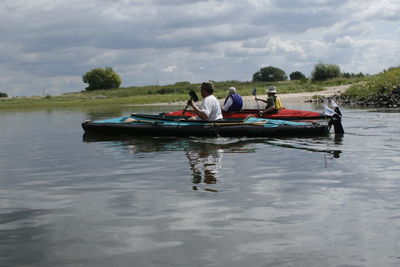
(278, 103)
(237, 102)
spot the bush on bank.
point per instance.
(386, 82)
(324, 71)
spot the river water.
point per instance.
(69, 199)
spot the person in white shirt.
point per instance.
(210, 108)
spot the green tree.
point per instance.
(269, 74)
(101, 78)
(323, 71)
(3, 94)
(297, 75)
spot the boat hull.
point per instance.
(146, 126)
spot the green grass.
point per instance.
(153, 94)
(373, 86)
(341, 81)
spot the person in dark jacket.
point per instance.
(234, 101)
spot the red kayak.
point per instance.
(282, 114)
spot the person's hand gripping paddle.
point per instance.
(254, 92)
(193, 97)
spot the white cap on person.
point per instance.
(232, 90)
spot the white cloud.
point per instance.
(276, 45)
(384, 9)
(171, 68)
(51, 44)
(345, 41)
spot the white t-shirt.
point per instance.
(210, 106)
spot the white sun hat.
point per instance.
(271, 90)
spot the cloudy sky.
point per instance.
(47, 45)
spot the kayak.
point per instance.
(282, 114)
(160, 125)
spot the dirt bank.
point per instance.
(301, 97)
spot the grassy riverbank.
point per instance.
(379, 84)
(157, 94)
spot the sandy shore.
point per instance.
(304, 96)
(287, 99)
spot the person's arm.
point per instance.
(200, 113)
(228, 104)
(260, 99)
(268, 110)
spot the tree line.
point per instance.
(320, 72)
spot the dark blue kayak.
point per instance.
(157, 125)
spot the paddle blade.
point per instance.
(254, 92)
(193, 96)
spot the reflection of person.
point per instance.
(274, 103)
(209, 109)
(204, 165)
(234, 101)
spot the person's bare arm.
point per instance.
(268, 110)
(198, 111)
(260, 99)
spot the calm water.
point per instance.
(68, 199)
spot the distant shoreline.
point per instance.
(304, 96)
(159, 97)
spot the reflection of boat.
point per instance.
(282, 114)
(143, 144)
(158, 125)
(205, 155)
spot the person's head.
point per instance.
(206, 89)
(232, 90)
(271, 90)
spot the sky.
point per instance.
(47, 45)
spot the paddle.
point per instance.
(193, 97)
(254, 92)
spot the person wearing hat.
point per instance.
(273, 102)
(234, 101)
(210, 108)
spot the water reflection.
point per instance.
(205, 155)
(205, 159)
(204, 165)
(22, 224)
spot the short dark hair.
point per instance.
(207, 86)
